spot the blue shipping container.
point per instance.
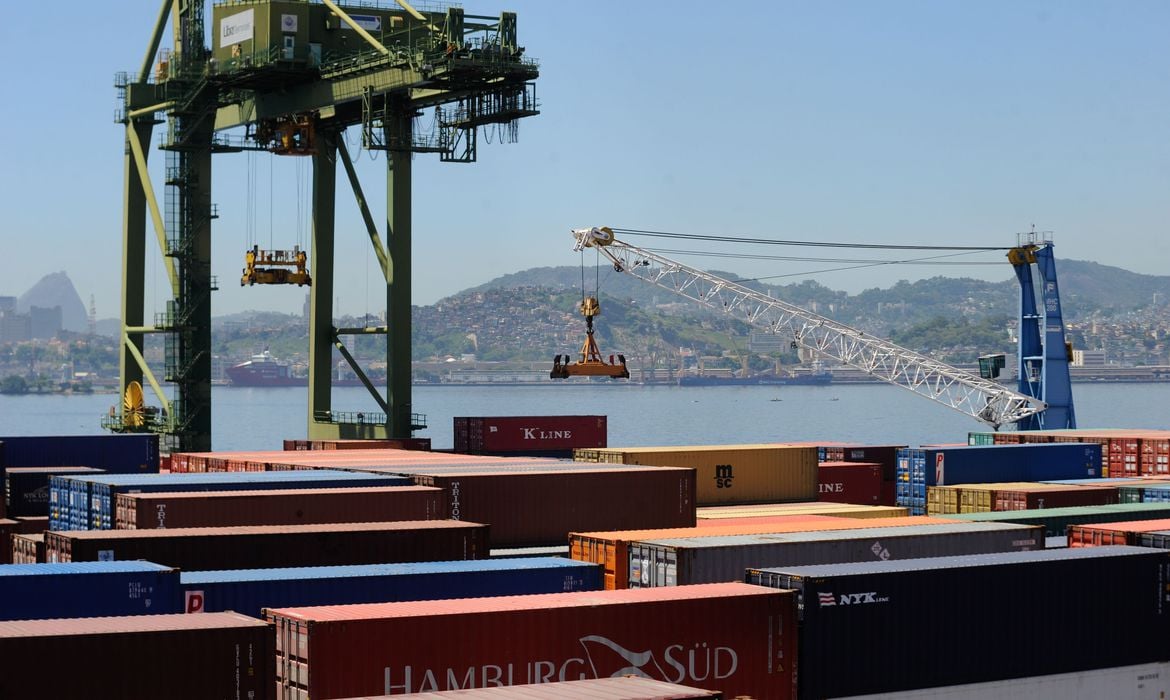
(97, 511)
(984, 464)
(248, 591)
(87, 589)
(117, 454)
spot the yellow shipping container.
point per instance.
(942, 500)
(980, 498)
(729, 474)
(837, 510)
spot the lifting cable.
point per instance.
(811, 244)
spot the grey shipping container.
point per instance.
(924, 623)
(138, 657)
(193, 549)
(682, 561)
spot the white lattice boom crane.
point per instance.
(968, 393)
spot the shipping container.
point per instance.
(681, 561)
(739, 638)
(850, 482)
(885, 455)
(117, 454)
(382, 444)
(103, 490)
(611, 549)
(528, 434)
(1054, 496)
(837, 510)
(32, 526)
(729, 474)
(250, 590)
(1057, 520)
(26, 489)
(1141, 682)
(1101, 534)
(8, 528)
(530, 509)
(624, 688)
(87, 589)
(921, 468)
(278, 507)
(1157, 540)
(971, 619)
(138, 657)
(28, 549)
(194, 549)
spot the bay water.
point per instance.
(638, 415)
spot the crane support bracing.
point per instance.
(982, 399)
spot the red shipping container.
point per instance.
(33, 525)
(541, 508)
(1102, 534)
(885, 455)
(623, 688)
(138, 657)
(28, 549)
(269, 546)
(859, 483)
(8, 528)
(1043, 497)
(278, 507)
(503, 434)
(739, 638)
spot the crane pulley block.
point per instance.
(273, 267)
(289, 136)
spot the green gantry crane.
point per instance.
(294, 75)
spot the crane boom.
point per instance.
(982, 399)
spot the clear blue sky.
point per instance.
(891, 122)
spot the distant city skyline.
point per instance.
(914, 122)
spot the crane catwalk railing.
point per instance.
(980, 398)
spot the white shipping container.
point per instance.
(1142, 682)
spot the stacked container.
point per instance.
(276, 545)
(975, 618)
(729, 474)
(739, 637)
(87, 589)
(250, 590)
(544, 436)
(278, 507)
(140, 657)
(919, 469)
(685, 561)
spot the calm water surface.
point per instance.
(259, 419)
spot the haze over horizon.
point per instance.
(938, 123)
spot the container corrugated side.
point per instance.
(680, 562)
(1141, 682)
(611, 549)
(730, 474)
(278, 507)
(1057, 520)
(250, 590)
(742, 637)
(26, 489)
(838, 510)
(530, 509)
(125, 454)
(850, 482)
(87, 589)
(510, 434)
(105, 489)
(968, 620)
(624, 688)
(28, 549)
(138, 657)
(1101, 534)
(193, 549)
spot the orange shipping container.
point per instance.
(1103, 534)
